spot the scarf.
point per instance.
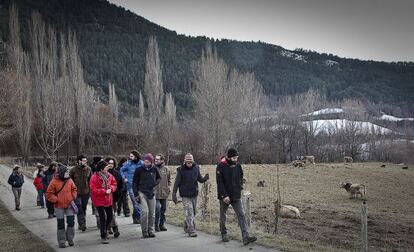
(104, 177)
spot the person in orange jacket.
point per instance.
(102, 186)
(62, 192)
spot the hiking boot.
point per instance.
(225, 238)
(50, 216)
(62, 245)
(17, 208)
(127, 215)
(163, 228)
(118, 214)
(193, 234)
(104, 240)
(83, 228)
(71, 243)
(116, 232)
(137, 221)
(145, 235)
(157, 229)
(110, 232)
(249, 239)
(151, 235)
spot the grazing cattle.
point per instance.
(309, 159)
(348, 159)
(291, 212)
(261, 183)
(354, 189)
(298, 163)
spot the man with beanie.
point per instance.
(229, 177)
(188, 176)
(162, 193)
(144, 183)
(61, 192)
(81, 174)
(127, 172)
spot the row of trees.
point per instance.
(48, 109)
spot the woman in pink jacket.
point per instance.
(102, 185)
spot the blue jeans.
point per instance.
(160, 208)
(137, 212)
(41, 198)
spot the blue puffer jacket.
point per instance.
(128, 170)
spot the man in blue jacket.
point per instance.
(229, 176)
(127, 171)
(188, 176)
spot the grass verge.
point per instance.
(16, 237)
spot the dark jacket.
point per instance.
(187, 181)
(16, 180)
(119, 184)
(81, 176)
(229, 180)
(145, 180)
(49, 175)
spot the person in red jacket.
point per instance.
(61, 192)
(37, 182)
(102, 186)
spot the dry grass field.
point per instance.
(330, 220)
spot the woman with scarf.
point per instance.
(102, 186)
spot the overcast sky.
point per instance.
(366, 29)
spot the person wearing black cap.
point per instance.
(229, 177)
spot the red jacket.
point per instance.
(98, 191)
(37, 182)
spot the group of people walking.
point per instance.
(147, 182)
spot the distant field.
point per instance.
(330, 220)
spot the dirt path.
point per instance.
(35, 219)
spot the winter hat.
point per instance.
(62, 169)
(232, 153)
(16, 167)
(149, 157)
(96, 159)
(39, 165)
(101, 165)
(188, 158)
(136, 154)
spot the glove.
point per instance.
(174, 198)
(207, 176)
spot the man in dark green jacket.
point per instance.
(81, 174)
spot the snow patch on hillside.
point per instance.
(394, 118)
(325, 111)
(293, 55)
(335, 125)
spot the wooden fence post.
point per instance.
(246, 207)
(364, 227)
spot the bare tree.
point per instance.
(225, 100)
(153, 86)
(113, 101)
(22, 87)
(54, 112)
